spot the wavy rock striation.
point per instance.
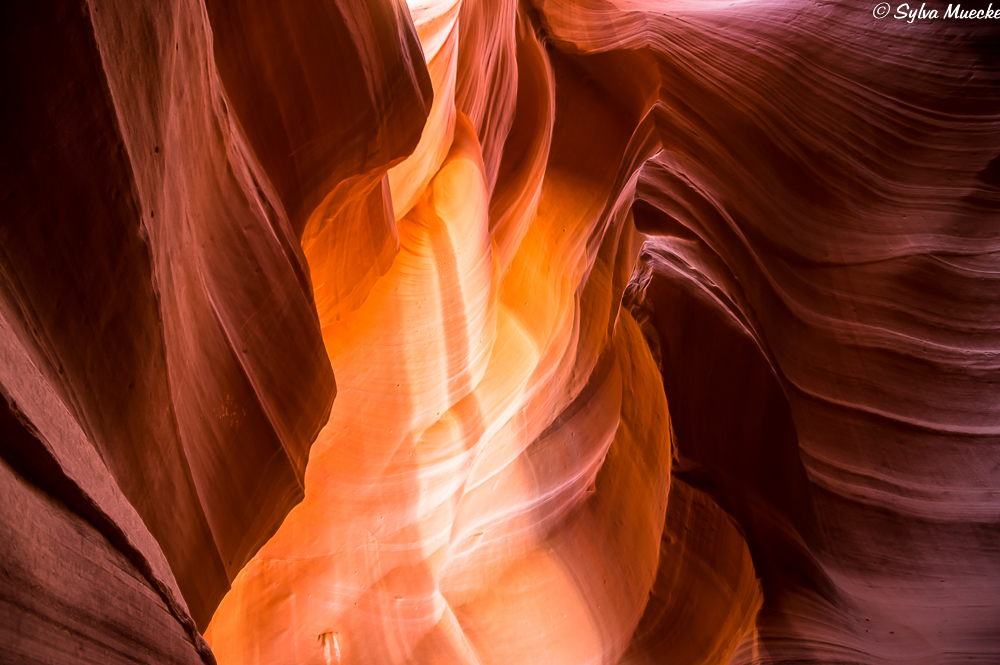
(482, 468)
(662, 332)
(820, 188)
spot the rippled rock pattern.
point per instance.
(663, 332)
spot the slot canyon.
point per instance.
(489, 332)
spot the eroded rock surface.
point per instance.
(662, 332)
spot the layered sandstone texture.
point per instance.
(663, 332)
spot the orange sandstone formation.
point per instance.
(663, 332)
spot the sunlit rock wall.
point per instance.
(663, 332)
(500, 434)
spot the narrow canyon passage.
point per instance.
(500, 434)
(499, 331)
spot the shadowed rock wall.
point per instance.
(780, 448)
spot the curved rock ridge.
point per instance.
(821, 187)
(706, 595)
(662, 332)
(498, 438)
(164, 373)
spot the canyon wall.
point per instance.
(662, 332)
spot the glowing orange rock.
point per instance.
(514, 230)
(482, 461)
